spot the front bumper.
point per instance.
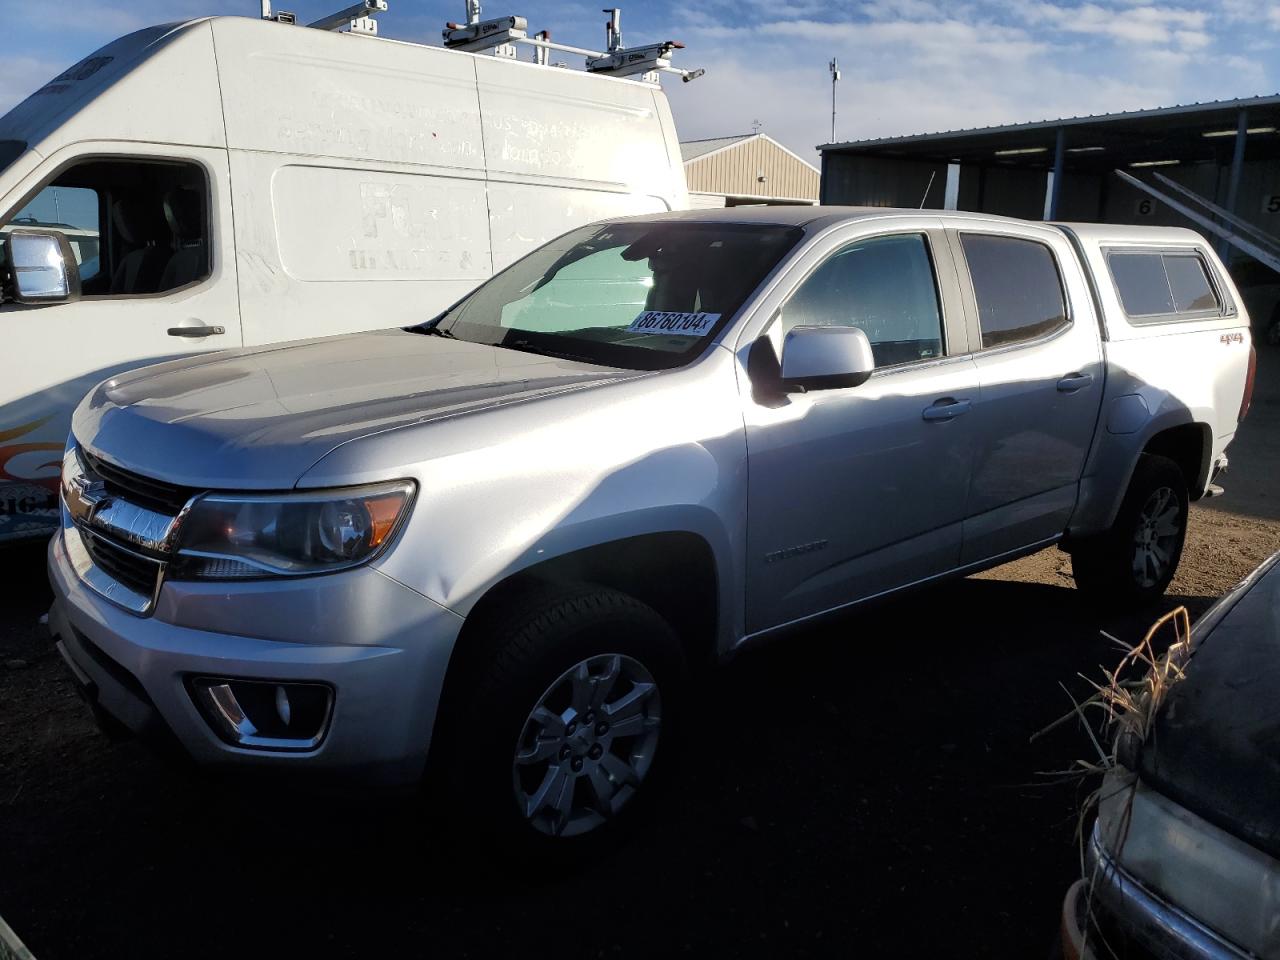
(1119, 902)
(380, 646)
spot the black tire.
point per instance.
(1108, 568)
(522, 654)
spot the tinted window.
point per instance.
(1141, 283)
(886, 287)
(1159, 284)
(10, 150)
(137, 227)
(1017, 286)
(1190, 284)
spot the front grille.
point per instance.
(153, 494)
(136, 572)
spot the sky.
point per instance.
(908, 66)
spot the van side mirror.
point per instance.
(43, 266)
(825, 358)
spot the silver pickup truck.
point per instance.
(489, 549)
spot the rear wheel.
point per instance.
(1134, 561)
(563, 734)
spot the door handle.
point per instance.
(1074, 381)
(946, 409)
(201, 331)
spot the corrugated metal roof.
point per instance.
(1181, 109)
(696, 148)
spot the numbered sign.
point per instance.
(1145, 207)
(1271, 203)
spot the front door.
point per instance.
(150, 237)
(855, 491)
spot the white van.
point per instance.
(250, 181)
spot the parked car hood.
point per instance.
(258, 419)
(1215, 744)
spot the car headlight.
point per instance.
(225, 536)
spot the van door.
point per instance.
(1039, 360)
(150, 233)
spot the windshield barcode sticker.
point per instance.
(679, 324)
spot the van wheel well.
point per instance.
(1187, 446)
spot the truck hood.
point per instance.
(258, 419)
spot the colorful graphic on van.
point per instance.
(8, 453)
(28, 505)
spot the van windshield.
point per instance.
(643, 295)
(10, 150)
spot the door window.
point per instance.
(137, 227)
(1017, 286)
(886, 287)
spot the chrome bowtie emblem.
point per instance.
(89, 490)
(86, 497)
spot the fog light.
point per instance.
(264, 714)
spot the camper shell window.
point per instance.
(1163, 286)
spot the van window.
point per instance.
(10, 150)
(1017, 286)
(74, 212)
(1155, 287)
(138, 227)
(886, 287)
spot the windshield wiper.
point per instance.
(524, 346)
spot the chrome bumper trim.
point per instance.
(1149, 919)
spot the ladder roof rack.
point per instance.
(501, 35)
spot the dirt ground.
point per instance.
(867, 787)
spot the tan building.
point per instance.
(748, 169)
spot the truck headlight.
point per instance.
(226, 536)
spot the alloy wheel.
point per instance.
(587, 745)
(1156, 537)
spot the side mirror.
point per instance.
(43, 266)
(824, 358)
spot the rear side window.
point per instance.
(1017, 286)
(1156, 287)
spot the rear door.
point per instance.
(1038, 356)
(151, 234)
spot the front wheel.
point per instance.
(566, 729)
(1133, 562)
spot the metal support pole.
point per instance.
(1237, 164)
(1237, 160)
(1055, 195)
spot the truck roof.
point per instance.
(818, 217)
(1112, 232)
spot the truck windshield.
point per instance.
(10, 150)
(644, 295)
